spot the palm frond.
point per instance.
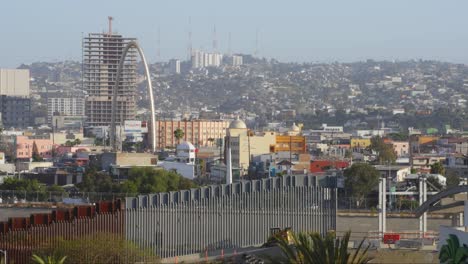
(317, 249)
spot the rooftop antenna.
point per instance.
(110, 25)
(215, 42)
(189, 47)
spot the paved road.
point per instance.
(360, 225)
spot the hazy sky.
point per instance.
(327, 30)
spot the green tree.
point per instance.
(35, 153)
(21, 185)
(360, 180)
(211, 140)
(178, 134)
(314, 248)
(438, 168)
(385, 152)
(94, 181)
(149, 180)
(29, 189)
(129, 187)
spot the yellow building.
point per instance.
(245, 142)
(360, 142)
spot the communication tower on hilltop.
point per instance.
(189, 46)
(256, 43)
(215, 41)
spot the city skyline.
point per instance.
(298, 32)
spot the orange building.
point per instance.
(198, 132)
(296, 144)
(24, 147)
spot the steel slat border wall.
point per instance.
(228, 216)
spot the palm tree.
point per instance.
(313, 248)
(452, 252)
(178, 133)
(211, 140)
(48, 259)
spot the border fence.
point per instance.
(22, 235)
(228, 216)
(183, 222)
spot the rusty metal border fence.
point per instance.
(21, 236)
(228, 216)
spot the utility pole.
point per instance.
(382, 205)
(422, 199)
(248, 143)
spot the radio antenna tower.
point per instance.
(229, 44)
(158, 51)
(256, 43)
(189, 46)
(215, 41)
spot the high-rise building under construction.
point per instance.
(101, 56)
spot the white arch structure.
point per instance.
(132, 44)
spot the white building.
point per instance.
(134, 130)
(202, 59)
(14, 82)
(198, 59)
(174, 66)
(237, 60)
(369, 133)
(65, 106)
(184, 162)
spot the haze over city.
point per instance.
(220, 132)
(294, 31)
